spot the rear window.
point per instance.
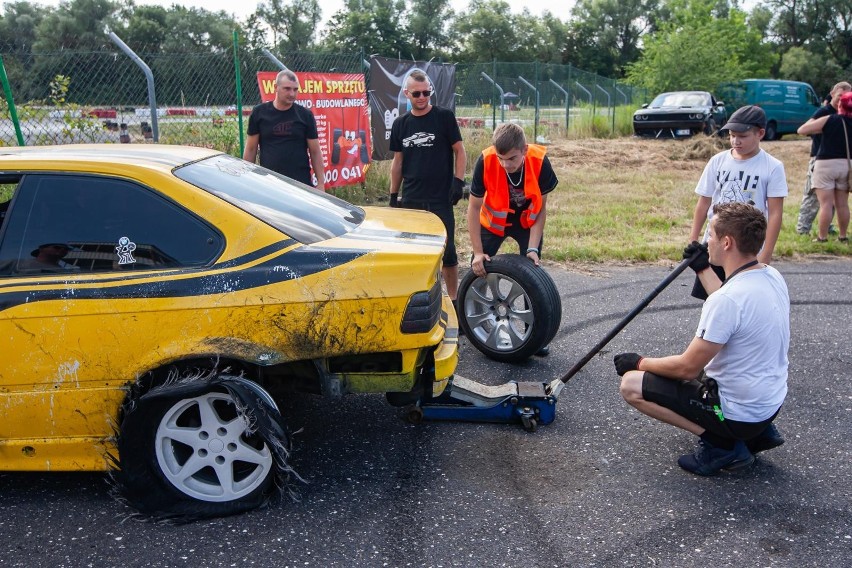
(299, 211)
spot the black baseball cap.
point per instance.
(746, 117)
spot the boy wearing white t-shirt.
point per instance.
(746, 174)
(729, 384)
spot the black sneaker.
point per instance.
(708, 460)
(543, 351)
(768, 439)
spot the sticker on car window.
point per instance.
(125, 250)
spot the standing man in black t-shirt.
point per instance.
(810, 205)
(429, 164)
(286, 134)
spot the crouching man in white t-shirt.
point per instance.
(729, 384)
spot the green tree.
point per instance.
(377, 26)
(605, 34)
(78, 24)
(144, 28)
(799, 64)
(293, 23)
(19, 24)
(539, 39)
(427, 25)
(486, 32)
(196, 30)
(696, 49)
(799, 21)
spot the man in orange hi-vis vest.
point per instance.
(508, 197)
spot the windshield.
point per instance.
(299, 211)
(681, 100)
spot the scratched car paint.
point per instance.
(125, 271)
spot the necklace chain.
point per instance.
(520, 178)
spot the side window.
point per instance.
(812, 98)
(71, 224)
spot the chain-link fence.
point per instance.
(103, 96)
(550, 100)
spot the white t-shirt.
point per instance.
(754, 180)
(750, 317)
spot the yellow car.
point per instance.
(155, 301)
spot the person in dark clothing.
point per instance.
(285, 135)
(428, 165)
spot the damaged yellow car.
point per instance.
(156, 301)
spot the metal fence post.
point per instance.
(608, 103)
(564, 92)
(535, 123)
(499, 88)
(239, 93)
(274, 59)
(13, 112)
(149, 77)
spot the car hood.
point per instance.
(673, 110)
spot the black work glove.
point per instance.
(702, 260)
(394, 200)
(626, 362)
(457, 190)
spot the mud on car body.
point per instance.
(680, 114)
(156, 301)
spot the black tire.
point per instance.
(225, 428)
(512, 312)
(710, 128)
(771, 131)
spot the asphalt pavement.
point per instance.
(600, 486)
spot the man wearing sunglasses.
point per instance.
(429, 165)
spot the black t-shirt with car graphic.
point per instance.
(427, 155)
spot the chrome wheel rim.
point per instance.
(499, 312)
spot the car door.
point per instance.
(82, 259)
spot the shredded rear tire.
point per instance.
(200, 448)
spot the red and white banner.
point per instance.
(338, 102)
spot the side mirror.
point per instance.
(645, 105)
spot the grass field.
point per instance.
(629, 200)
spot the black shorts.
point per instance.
(698, 403)
(445, 213)
(491, 243)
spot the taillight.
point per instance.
(423, 311)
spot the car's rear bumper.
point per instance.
(447, 353)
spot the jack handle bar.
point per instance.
(555, 386)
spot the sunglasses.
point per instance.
(418, 94)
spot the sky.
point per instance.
(242, 8)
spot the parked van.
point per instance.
(788, 104)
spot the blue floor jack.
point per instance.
(527, 403)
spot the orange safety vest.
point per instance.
(495, 205)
